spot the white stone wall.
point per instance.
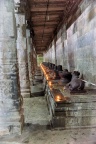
(76, 47)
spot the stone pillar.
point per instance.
(55, 52)
(22, 55)
(11, 117)
(34, 60)
(29, 53)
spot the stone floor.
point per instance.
(37, 133)
(40, 135)
(35, 111)
(83, 136)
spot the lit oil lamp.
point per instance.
(47, 77)
(58, 98)
(50, 83)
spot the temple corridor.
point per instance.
(47, 71)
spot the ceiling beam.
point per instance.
(37, 9)
(42, 23)
(45, 34)
(50, 0)
(40, 26)
(49, 12)
(43, 5)
(43, 19)
(58, 12)
(43, 16)
(60, 2)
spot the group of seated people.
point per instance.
(70, 79)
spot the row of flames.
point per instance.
(45, 70)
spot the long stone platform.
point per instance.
(70, 110)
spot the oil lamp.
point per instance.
(58, 98)
(50, 84)
(47, 77)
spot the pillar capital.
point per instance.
(20, 6)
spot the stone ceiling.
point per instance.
(46, 16)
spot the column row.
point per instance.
(15, 67)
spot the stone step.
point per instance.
(14, 110)
(77, 113)
(36, 82)
(11, 113)
(38, 77)
(4, 131)
(37, 90)
(10, 129)
(9, 119)
(10, 105)
(35, 111)
(77, 106)
(12, 123)
(68, 122)
(38, 74)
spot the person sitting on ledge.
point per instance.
(76, 84)
(65, 76)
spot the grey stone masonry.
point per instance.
(22, 55)
(34, 60)
(29, 53)
(77, 48)
(11, 116)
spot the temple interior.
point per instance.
(47, 71)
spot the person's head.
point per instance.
(76, 73)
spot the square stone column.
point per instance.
(11, 115)
(34, 59)
(22, 55)
(29, 53)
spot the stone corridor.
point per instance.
(62, 33)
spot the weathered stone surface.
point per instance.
(34, 61)
(80, 45)
(35, 111)
(10, 97)
(29, 52)
(22, 56)
(86, 39)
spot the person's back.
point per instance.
(76, 83)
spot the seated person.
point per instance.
(65, 76)
(76, 84)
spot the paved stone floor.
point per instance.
(35, 111)
(83, 136)
(38, 135)
(36, 132)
